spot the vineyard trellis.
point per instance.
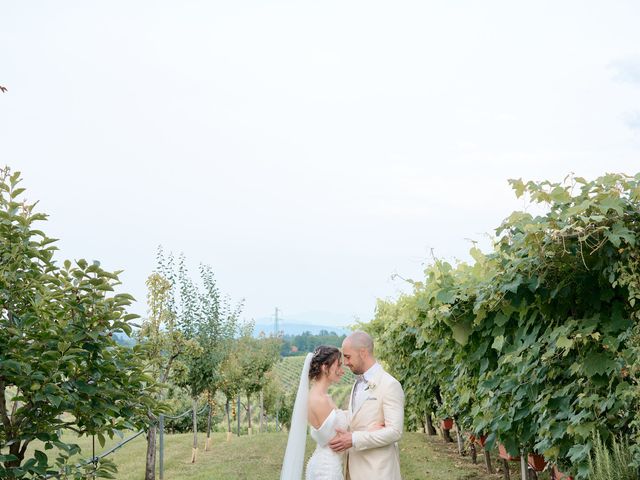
(535, 344)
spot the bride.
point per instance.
(314, 405)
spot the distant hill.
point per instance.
(122, 338)
(298, 329)
(314, 322)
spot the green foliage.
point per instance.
(256, 357)
(163, 342)
(202, 317)
(611, 461)
(532, 344)
(60, 368)
(274, 394)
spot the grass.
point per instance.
(259, 458)
(611, 460)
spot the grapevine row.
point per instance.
(535, 344)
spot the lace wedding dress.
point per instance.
(325, 464)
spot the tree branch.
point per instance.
(23, 449)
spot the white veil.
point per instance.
(293, 462)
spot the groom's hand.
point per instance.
(341, 442)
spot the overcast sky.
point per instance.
(305, 150)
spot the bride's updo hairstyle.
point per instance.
(322, 355)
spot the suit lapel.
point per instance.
(375, 381)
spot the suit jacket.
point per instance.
(375, 454)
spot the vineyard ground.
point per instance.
(259, 458)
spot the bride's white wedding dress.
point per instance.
(325, 464)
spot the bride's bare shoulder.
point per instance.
(320, 407)
(319, 400)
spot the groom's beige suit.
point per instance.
(375, 455)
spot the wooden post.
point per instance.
(474, 453)
(487, 461)
(459, 439)
(249, 429)
(524, 474)
(505, 468)
(228, 410)
(238, 414)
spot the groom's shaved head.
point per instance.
(357, 352)
(360, 339)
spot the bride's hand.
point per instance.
(375, 427)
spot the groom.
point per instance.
(376, 399)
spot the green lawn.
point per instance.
(259, 458)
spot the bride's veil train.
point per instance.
(293, 462)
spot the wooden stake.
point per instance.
(460, 443)
(487, 461)
(505, 467)
(524, 474)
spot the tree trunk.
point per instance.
(228, 410)
(249, 431)
(238, 413)
(446, 435)
(17, 450)
(150, 468)
(430, 428)
(208, 444)
(474, 453)
(194, 450)
(261, 411)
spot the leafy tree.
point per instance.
(307, 342)
(274, 394)
(60, 369)
(231, 376)
(256, 357)
(207, 320)
(163, 345)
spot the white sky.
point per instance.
(307, 150)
